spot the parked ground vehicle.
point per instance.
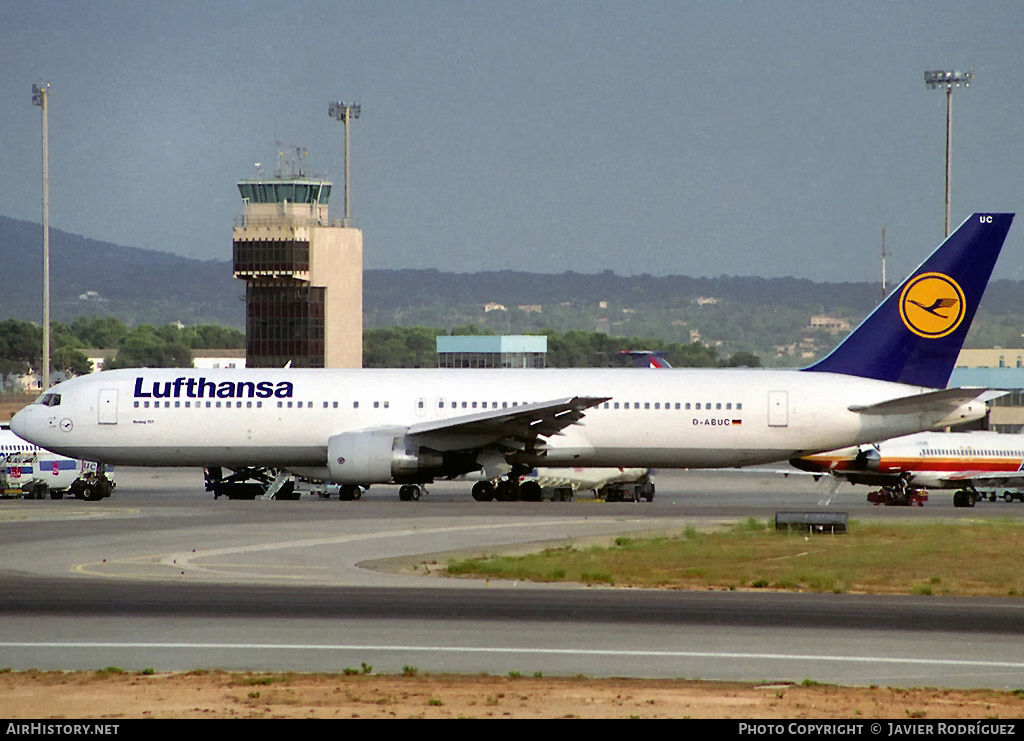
(40, 474)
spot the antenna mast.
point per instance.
(884, 286)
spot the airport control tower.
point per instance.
(303, 272)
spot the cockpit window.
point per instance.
(49, 400)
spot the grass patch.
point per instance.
(971, 559)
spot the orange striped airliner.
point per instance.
(966, 461)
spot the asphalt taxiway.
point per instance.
(162, 575)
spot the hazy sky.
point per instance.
(695, 138)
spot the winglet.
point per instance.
(915, 335)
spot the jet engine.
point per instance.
(385, 456)
(868, 459)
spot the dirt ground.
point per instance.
(115, 694)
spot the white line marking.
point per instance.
(493, 650)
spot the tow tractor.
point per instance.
(896, 496)
(36, 475)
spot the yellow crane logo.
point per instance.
(932, 305)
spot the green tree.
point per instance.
(21, 342)
(400, 347)
(71, 361)
(99, 331)
(742, 359)
(208, 336)
(149, 347)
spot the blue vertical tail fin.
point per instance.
(915, 335)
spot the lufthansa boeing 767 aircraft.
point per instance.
(362, 427)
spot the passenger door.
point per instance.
(778, 408)
(107, 409)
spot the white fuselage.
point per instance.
(28, 461)
(929, 460)
(11, 443)
(283, 418)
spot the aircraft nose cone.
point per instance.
(18, 423)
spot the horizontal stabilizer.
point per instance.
(932, 401)
(985, 480)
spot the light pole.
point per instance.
(948, 79)
(344, 112)
(40, 97)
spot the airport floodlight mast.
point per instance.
(948, 79)
(40, 97)
(344, 112)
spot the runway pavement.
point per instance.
(162, 575)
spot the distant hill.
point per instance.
(137, 285)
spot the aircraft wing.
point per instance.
(930, 401)
(985, 479)
(517, 427)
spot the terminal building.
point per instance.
(491, 351)
(995, 368)
(303, 275)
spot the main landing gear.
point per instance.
(507, 490)
(410, 492)
(965, 497)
